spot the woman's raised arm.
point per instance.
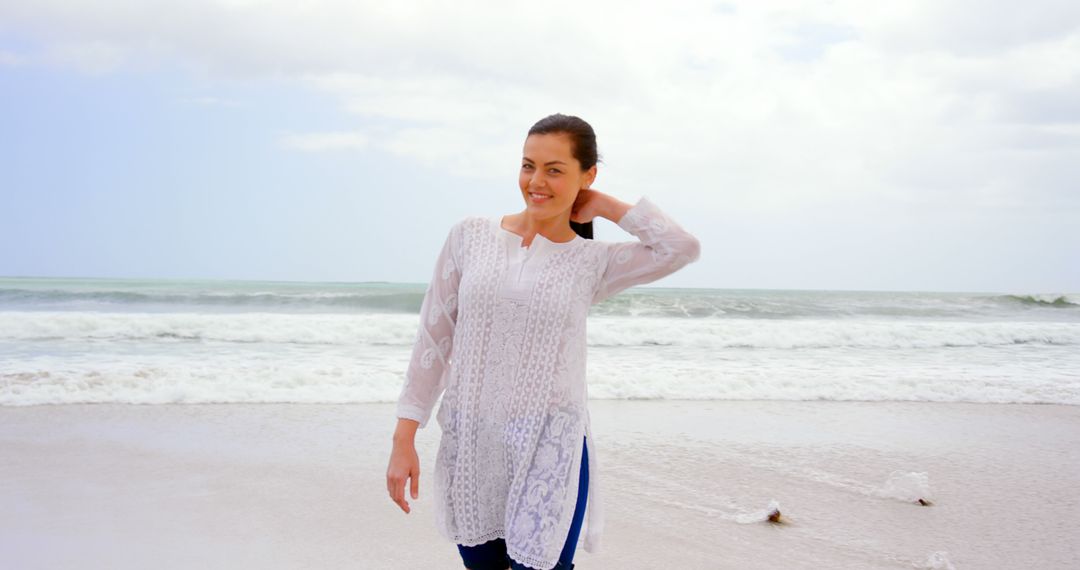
(663, 247)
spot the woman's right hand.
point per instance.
(404, 466)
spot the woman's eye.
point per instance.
(525, 166)
(555, 171)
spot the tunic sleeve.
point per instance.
(428, 367)
(663, 247)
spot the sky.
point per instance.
(843, 145)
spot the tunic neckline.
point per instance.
(496, 222)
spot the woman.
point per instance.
(502, 332)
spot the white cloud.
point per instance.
(93, 57)
(748, 104)
(210, 101)
(318, 142)
(11, 59)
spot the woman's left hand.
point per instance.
(589, 204)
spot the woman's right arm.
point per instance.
(428, 368)
(429, 365)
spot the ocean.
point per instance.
(65, 341)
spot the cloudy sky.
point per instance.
(810, 145)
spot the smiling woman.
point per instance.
(502, 332)
(582, 143)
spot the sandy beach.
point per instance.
(686, 485)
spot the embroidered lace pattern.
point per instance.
(509, 364)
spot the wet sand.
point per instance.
(686, 484)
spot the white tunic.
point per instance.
(502, 339)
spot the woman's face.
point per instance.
(550, 175)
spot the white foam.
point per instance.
(937, 561)
(757, 516)
(907, 486)
(76, 357)
(400, 328)
(317, 328)
(825, 333)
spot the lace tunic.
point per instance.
(502, 339)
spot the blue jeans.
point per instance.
(491, 555)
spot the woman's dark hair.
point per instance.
(582, 146)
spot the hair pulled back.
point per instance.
(582, 147)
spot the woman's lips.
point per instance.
(538, 198)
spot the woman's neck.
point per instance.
(556, 228)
